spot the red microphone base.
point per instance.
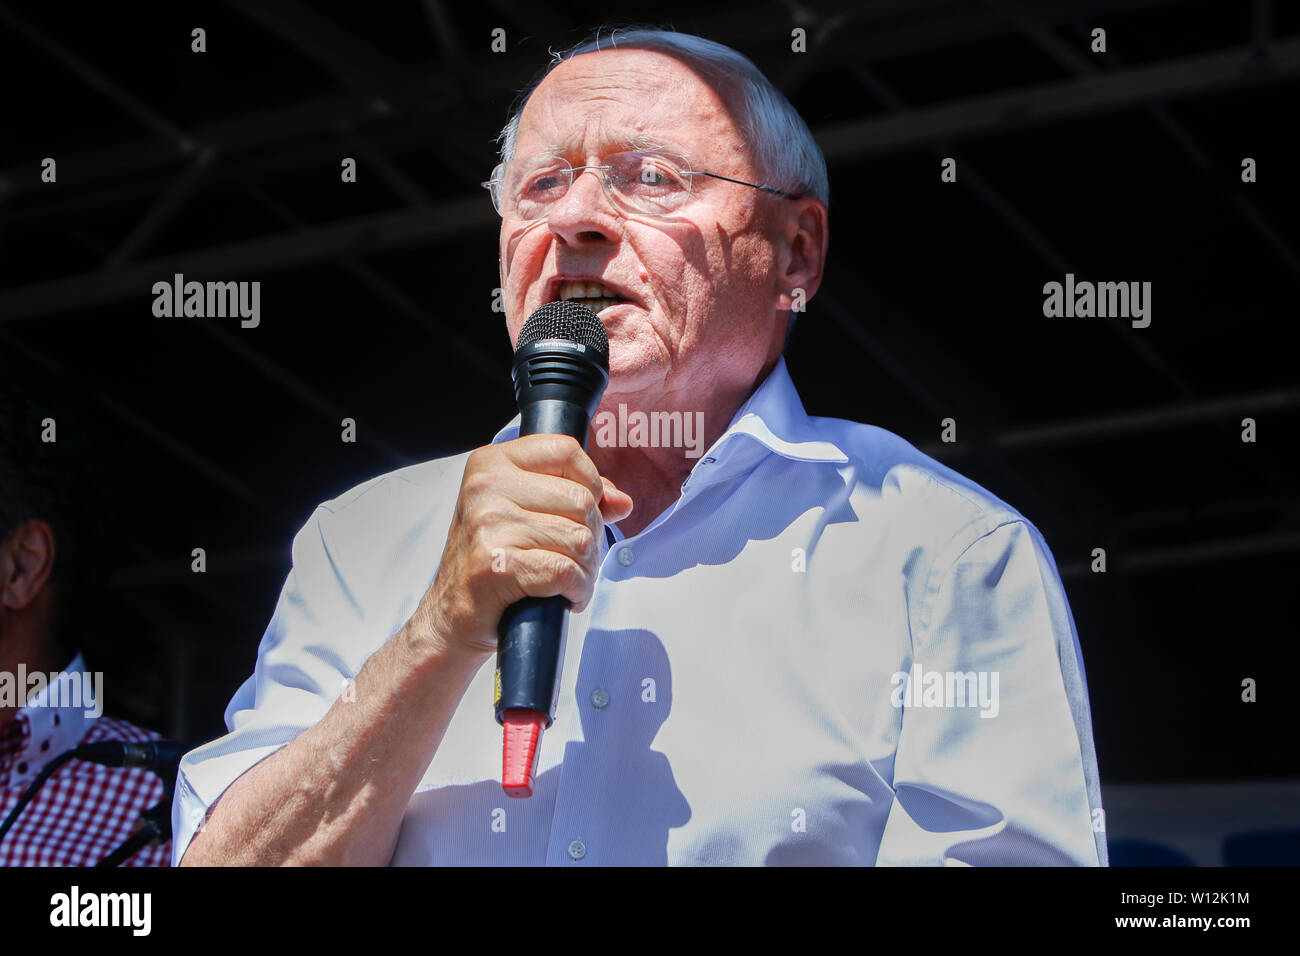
(523, 734)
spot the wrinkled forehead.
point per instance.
(628, 99)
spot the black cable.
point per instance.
(30, 792)
(129, 846)
(155, 824)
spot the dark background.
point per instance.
(376, 300)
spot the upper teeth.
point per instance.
(580, 289)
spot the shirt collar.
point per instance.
(52, 721)
(773, 416)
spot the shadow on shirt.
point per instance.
(615, 795)
(723, 523)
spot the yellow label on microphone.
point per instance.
(496, 685)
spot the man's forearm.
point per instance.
(336, 794)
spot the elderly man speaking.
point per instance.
(810, 644)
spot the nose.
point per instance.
(584, 213)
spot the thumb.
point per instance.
(615, 505)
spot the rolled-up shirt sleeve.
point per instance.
(314, 644)
(1011, 777)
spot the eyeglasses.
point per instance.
(638, 181)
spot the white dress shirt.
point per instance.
(734, 693)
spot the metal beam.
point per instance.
(279, 375)
(857, 330)
(182, 451)
(999, 113)
(440, 25)
(163, 210)
(86, 194)
(360, 68)
(1036, 28)
(874, 35)
(372, 158)
(130, 104)
(1070, 57)
(339, 48)
(1283, 508)
(398, 300)
(1201, 159)
(1027, 232)
(1164, 417)
(1261, 22)
(247, 133)
(1119, 562)
(256, 257)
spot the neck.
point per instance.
(652, 472)
(652, 476)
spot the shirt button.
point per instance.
(625, 556)
(22, 768)
(577, 850)
(599, 698)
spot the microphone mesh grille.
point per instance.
(565, 320)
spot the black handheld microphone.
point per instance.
(560, 372)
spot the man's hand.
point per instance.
(528, 523)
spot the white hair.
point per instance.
(783, 148)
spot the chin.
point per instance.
(627, 378)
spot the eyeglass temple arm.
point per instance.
(741, 182)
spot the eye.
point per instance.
(648, 175)
(543, 182)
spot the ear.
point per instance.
(804, 236)
(26, 562)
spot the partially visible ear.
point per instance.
(26, 562)
(804, 233)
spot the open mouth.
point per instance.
(592, 295)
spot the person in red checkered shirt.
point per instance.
(84, 811)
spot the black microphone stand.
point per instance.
(155, 826)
